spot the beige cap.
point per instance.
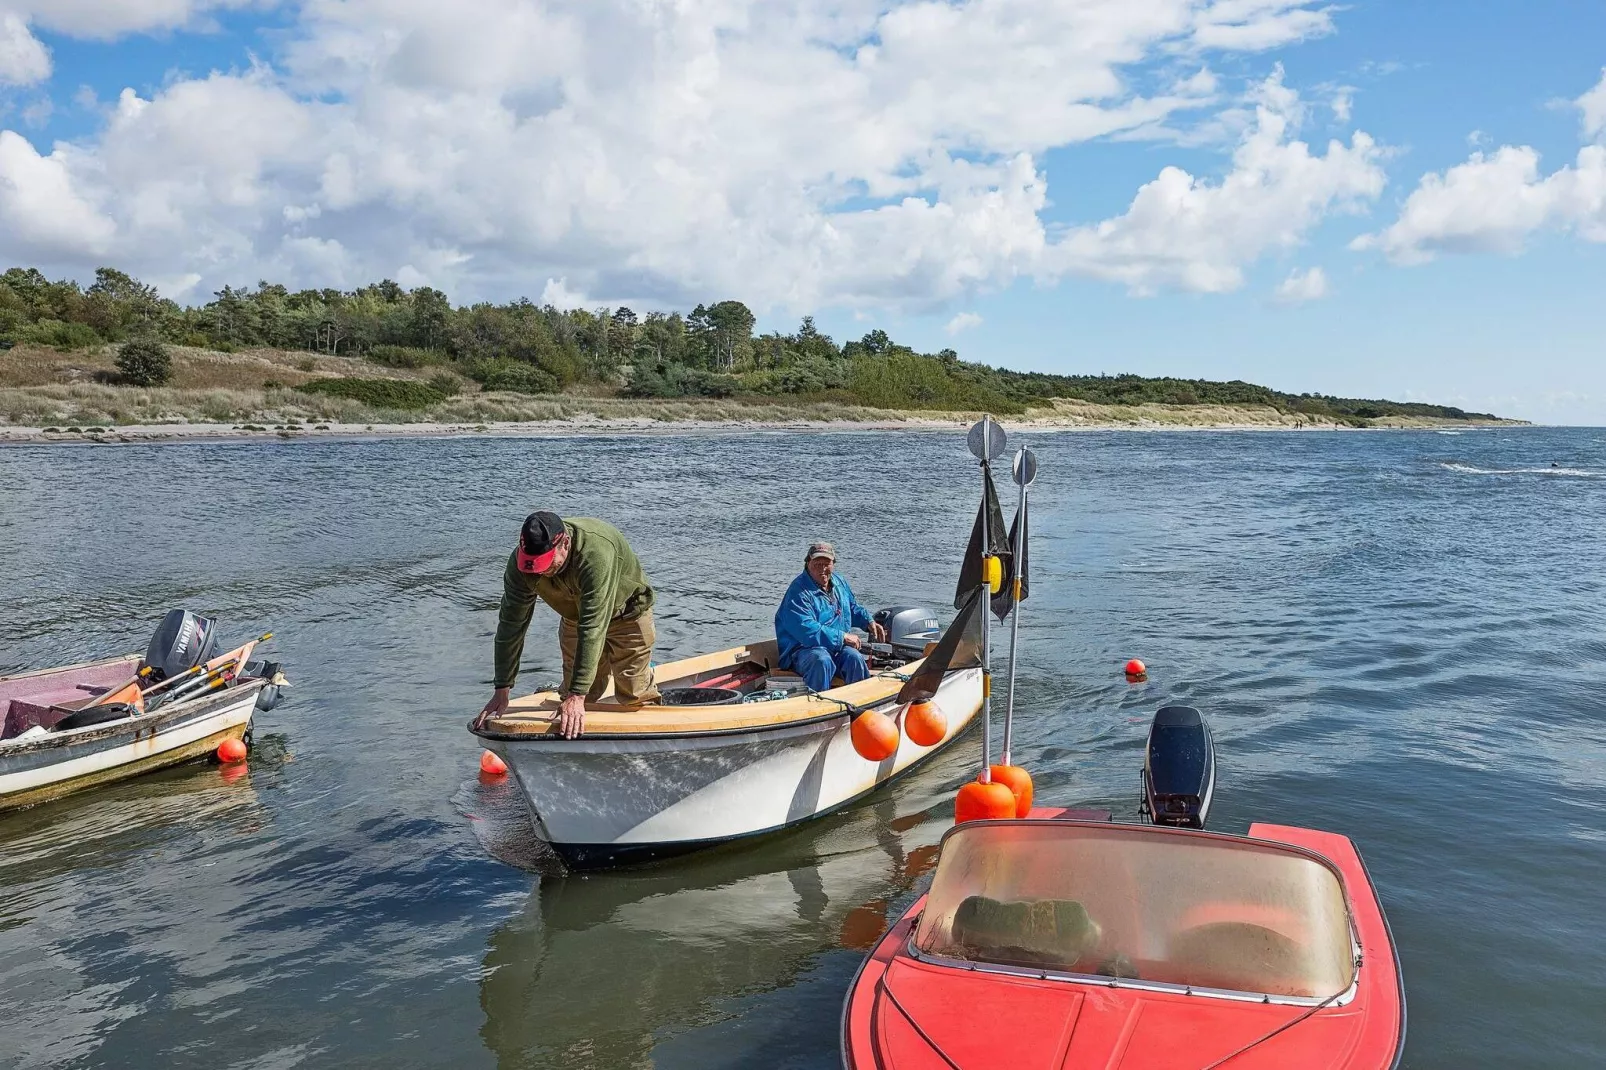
(820, 549)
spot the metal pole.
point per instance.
(1014, 626)
(986, 622)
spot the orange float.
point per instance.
(875, 736)
(231, 751)
(492, 764)
(925, 724)
(1019, 783)
(983, 802)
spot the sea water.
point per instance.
(1397, 636)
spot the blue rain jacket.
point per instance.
(809, 616)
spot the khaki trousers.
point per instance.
(626, 659)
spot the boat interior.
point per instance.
(42, 699)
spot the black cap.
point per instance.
(541, 531)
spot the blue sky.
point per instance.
(916, 168)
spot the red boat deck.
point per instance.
(906, 1013)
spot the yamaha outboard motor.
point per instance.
(1179, 769)
(182, 641)
(909, 629)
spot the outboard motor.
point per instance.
(909, 629)
(272, 691)
(1179, 769)
(182, 641)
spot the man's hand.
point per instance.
(849, 639)
(494, 708)
(878, 633)
(572, 716)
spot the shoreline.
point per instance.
(582, 425)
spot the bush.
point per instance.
(63, 336)
(144, 362)
(513, 375)
(679, 381)
(380, 393)
(445, 384)
(402, 357)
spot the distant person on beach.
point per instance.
(586, 571)
(811, 625)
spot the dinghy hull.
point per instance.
(617, 798)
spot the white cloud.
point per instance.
(41, 214)
(110, 19)
(797, 154)
(1592, 109)
(1494, 202)
(1302, 286)
(963, 322)
(24, 59)
(1343, 105)
(556, 293)
(1184, 233)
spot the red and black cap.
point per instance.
(538, 542)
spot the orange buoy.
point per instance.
(493, 764)
(983, 802)
(875, 736)
(231, 750)
(925, 724)
(1136, 670)
(1019, 783)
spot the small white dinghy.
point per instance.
(73, 727)
(660, 780)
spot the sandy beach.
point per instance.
(1065, 416)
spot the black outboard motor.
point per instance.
(182, 641)
(272, 691)
(1179, 769)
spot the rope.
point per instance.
(1285, 1026)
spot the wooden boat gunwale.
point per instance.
(532, 718)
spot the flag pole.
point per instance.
(1024, 469)
(987, 612)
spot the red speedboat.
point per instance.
(1056, 942)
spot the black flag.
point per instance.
(1019, 534)
(959, 648)
(970, 568)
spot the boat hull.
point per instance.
(38, 770)
(615, 800)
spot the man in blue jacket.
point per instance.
(812, 624)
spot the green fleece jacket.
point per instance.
(601, 581)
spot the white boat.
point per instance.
(73, 727)
(666, 779)
(36, 766)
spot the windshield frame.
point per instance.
(1164, 987)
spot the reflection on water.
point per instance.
(598, 969)
(1397, 636)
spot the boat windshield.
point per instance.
(1140, 903)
